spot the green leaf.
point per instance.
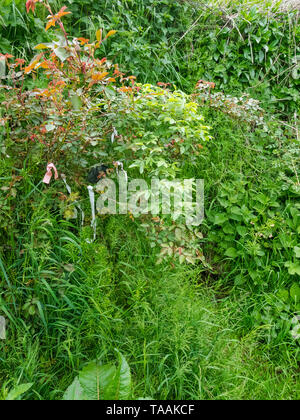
(242, 230)
(2, 67)
(96, 381)
(297, 251)
(18, 391)
(178, 234)
(239, 280)
(293, 268)
(228, 229)
(231, 252)
(236, 210)
(74, 392)
(295, 73)
(283, 295)
(76, 102)
(220, 219)
(181, 259)
(122, 385)
(62, 53)
(295, 292)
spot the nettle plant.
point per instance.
(73, 108)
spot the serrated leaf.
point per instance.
(228, 229)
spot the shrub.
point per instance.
(81, 110)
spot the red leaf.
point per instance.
(30, 5)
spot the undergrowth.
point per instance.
(217, 331)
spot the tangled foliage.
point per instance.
(243, 108)
(81, 110)
(241, 46)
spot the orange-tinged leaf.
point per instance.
(31, 66)
(110, 33)
(30, 5)
(63, 9)
(125, 89)
(40, 47)
(83, 40)
(99, 76)
(18, 61)
(33, 63)
(62, 12)
(99, 35)
(44, 65)
(50, 23)
(6, 56)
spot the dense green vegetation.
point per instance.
(250, 48)
(219, 328)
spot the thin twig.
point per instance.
(189, 30)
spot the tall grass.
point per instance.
(181, 342)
